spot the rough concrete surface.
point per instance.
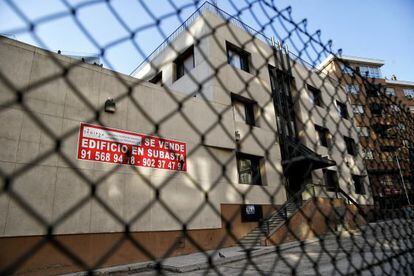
(384, 248)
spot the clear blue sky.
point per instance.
(380, 29)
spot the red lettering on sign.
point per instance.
(102, 144)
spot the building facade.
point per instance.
(248, 127)
(383, 109)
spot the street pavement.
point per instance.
(385, 248)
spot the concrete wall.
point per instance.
(210, 54)
(53, 182)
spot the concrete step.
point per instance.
(255, 235)
(276, 220)
(248, 244)
(251, 241)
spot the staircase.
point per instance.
(270, 224)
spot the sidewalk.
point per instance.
(195, 261)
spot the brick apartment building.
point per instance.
(384, 110)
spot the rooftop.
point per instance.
(207, 6)
(399, 82)
(352, 59)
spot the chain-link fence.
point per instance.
(229, 150)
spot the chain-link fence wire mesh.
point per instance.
(329, 147)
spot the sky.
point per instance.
(381, 29)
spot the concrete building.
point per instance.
(250, 128)
(383, 109)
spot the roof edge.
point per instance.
(331, 57)
(399, 82)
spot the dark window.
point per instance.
(372, 91)
(251, 213)
(350, 146)
(184, 62)
(331, 180)
(358, 184)
(248, 167)
(376, 109)
(342, 110)
(315, 95)
(157, 79)
(323, 134)
(237, 57)
(385, 131)
(243, 109)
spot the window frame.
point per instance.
(342, 110)
(256, 167)
(244, 56)
(359, 185)
(353, 91)
(346, 69)
(355, 107)
(179, 62)
(376, 109)
(408, 93)
(389, 93)
(367, 154)
(322, 142)
(350, 145)
(156, 79)
(362, 133)
(315, 95)
(327, 174)
(250, 109)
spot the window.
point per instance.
(243, 109)
(322, 135)
(248, 167)
(367, 154)
(370, 72)
(389, 149)
(350, 145)
(385, 131)
(358, 109)
(342, 110)
(346, 69)
(395, 108)
(386, 156)
(157, 79)
(184, 63)
(409, 93)
(237, 57)
(331, 180)
(376, 109)
(358, 184)
(315, 95)
(363, 131)
(390, 92)
(352, 88)
(371, 91)
(387, 180)
(251, 213)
